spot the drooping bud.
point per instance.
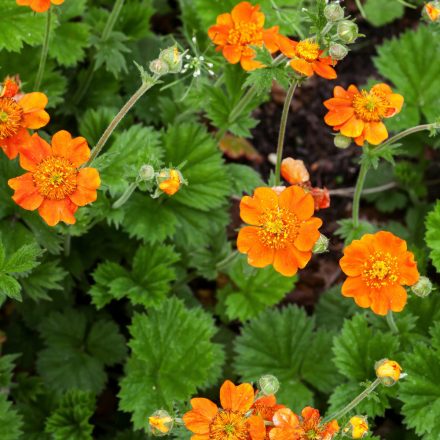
(342, 141)
(348, 31)
(173, 58)
(334, 12)
(294, 171)
(268, 384)
(159, 67)
(389, 372)
(161, 423)
(10, 87)
(146, 172)
(170, 180)
(432, 11)
(423, 287)
(321, 246)
(357, 427)
(337, 51)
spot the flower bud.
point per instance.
(432, 11)
(337, 51)
(347, 31)
(173, 58)
(334, 12)
(10, 87)
(389, 372)
(423, 287)
(342, 141)
(357, 427)
(268, 384)
(161, 423)
(169, 181)
(159, 67)
(146, 172)
(294, 171)
(321, 245)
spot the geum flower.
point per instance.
(378, 266)
(359, 114)
(266, 407)
(231, 422)
(283, 229)
(54, 184)
(236, 33)
(17, 115)
(432, 10)
(10, 87)
(39, 5)
(289, 426)
(306, 57)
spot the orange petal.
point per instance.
(251, 208)
(33, 152)
(218, 34)
(296, 200)
(200, 417)
(40, 5)
(302, 66)
(33, 105)
(287, 261)
(237, 398)
(375, 132)
(249, 64)
(74, 149)
(257, 428)
(355, 255)
(36, 119)
(243, 12)
(88, 181)
(308, 234)
(12, 145)
(286, 417)
(55, 211)
(270, 39)
(26, 193)
(248, 242)
(232, 54)
(340, 92)
(353, 90)
(286, 46)
(339, 116)
(382, 88)
(225, 20)
(354, 287)
(353, 127)
(337, 103)
(324, 70)
(294, 171)
(397, 298)
(396, 104)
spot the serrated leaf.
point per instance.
(110, 52)
(172, 355)
(93, 123)
(10, 420)
(6, 367)
(379, 13)
(432, 235)
(9, 287)
(244, 179)
(23, 260)
(349, 232)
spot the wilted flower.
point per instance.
(161, 423)
(389, 372)
(357, 427)
(10, 87)
(294, 171)
(170, 181)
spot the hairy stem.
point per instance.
(392, 323)
(127, 194)
(361, 8)
(358, 192)
(44, 52)
(282, 132)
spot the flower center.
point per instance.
(229, 425)
(307, 50)
(370, 106)
(245, 34)
(11, 115)
(278, 228)
(380, 270)
(55, 178)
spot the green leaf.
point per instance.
(250, 290)
(244, 179)
(349, 232)
(379, 13)
(93, 123)
(6, 367)
(110, 52)
(432, 236)
(172, 355)
(10, 420)
(9, 287)
(134, 19)
(71, 419)
(23, 260)
(283, 343)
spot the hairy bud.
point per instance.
(268, 384)
(389, 372)
(342, 141)
(159, 67)
(173, 58)
(334, 12)
(321, 246)
(337, 51)
(423, 287)
(161, 423)
(146, 172)
(348, 31)
(357, 427)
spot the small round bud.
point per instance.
(321, 246)
(423, 287)
(161, 423)
(431, 11)
(159, 67)
(334, 12)
(268, 384)
(173, 58)
(342, 141)
(337, 51)
(348, 31)
(146, 172)
(357, 427)
(389, 372)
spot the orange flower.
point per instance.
(389, 371)
(208, 422)
(432, 10)
(306, 57)
(170, 181)
(235, 33)
(294, 171)
(377, 266)
(283, 229)
(16, 116)
(266, 407)
(288, 426)
(359, 114)
(39, 5)
(10, 87)
(321, 196)
(54, 184)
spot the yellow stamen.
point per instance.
(278, 228)
(307, 50)
(245, 34)
(11, 116)
(371, 106)
(381, 270)
(229, 425)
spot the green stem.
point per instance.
(358, 192)
(44, 52)
(355, 402)
(226, 261)
(392, 323)
(282, 132)
(361, 8)
(127, 194)
(117, 7)
(118, 118)
(67, 242)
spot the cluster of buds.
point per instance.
(431, 11)
(168, 180)
(170, 61)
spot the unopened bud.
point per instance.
(161, 423)
(173, 58)
(348, 31)
(357, 427)
(334, 12)
(432, 11)
(389, 372)
(146, 172)
(342, 141)
(268, 384)
(170, 180)
(423, 287)
(321, 246)
(159, 67)
(337, 51)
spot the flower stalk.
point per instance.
(44, 51)
(392, 323)
(126, 195)
(358, 192)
